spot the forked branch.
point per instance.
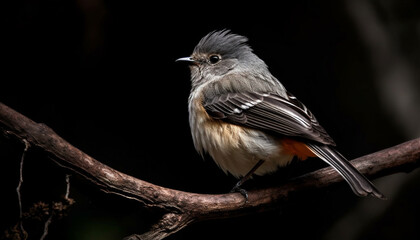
(183, 208)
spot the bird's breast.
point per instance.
(209, 133)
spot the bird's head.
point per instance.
(219, 53)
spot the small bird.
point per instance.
(246, 120)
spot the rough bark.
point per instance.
(183, 208)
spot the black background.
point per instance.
(103, 75)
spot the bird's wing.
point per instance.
(287, 117)
(268, 112)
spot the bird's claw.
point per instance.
(240, 190)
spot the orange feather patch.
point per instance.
(296, 148)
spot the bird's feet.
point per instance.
(237, 188)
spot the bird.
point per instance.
(246, 120)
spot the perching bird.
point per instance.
(246, 120)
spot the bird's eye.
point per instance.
(213, 59)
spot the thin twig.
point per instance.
(53, 210)
(68, 187)
(46, 225)
(22, 229)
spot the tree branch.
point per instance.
(183, 208)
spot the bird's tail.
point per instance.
(360, 185)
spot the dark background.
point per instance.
(102, 75)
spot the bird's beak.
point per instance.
(186, 59)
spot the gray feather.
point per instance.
(223, 43)
(360, 185)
